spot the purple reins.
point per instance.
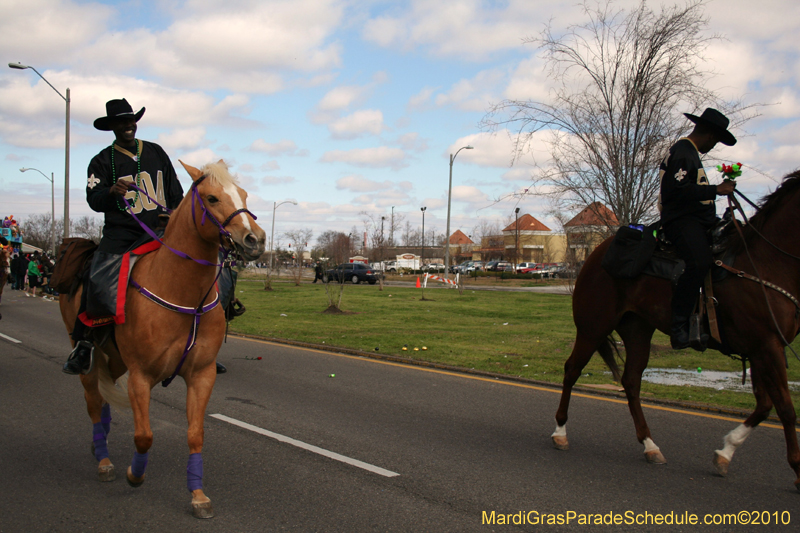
(201, 309)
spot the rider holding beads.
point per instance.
(127, 160)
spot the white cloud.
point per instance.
(367, 121)
(358, 183)
(421, 100)
(412, 142)
(379, 157)
(275, 180)
(476, 94)
(183, 139)
(463, 28)
(469, 194)
(283, 147)
(343, 97)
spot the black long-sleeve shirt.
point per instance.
(157, 177)
(684, 186)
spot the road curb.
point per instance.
(707, 408)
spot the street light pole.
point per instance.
(516, 239)
(275, 206)
(449, 191)
(422, 258)
(66, 99)
(51, 179)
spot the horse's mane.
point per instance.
(767, 207)
(218, 173)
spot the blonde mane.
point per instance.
(218, 173)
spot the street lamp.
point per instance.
(449, 191)
(52, 207)
(272, 236)
(516, 239)
(391, 229)
(20, 66)
(422, 257)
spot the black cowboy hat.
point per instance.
(116, 109)
(717, 122)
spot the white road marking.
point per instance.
(10, 339)
(309, 447)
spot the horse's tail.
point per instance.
(607, 350)
(116, 394)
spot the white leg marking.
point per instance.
(650, 446)
(733, 440)
(561, 431)
(233, 191)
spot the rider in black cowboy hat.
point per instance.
(127, 160)
(688, 212)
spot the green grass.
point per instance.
(514, 333)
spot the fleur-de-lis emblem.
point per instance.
(93, 181)
(680, 175)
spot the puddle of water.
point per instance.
(711, 379)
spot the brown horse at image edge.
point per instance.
(635, 308)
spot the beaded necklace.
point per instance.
(138, 172)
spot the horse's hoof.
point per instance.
(202, 510)
(560, 442)
(134, 481)
(721, 464)
(106, 473)
(655, 457)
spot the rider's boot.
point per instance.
(81, 360)
(679, 333)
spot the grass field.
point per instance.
(514, 333)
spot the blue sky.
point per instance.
(346, 107)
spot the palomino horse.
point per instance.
(636, 308)
(152, 342)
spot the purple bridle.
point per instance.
(224, 235)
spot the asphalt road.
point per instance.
(459, 446)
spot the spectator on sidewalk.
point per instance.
(34, 275)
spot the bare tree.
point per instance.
(337, 246)
(36, 230)
(298, 241)
(87, 227)
(623, 80)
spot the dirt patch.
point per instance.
(333, 310)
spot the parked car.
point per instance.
(499, 266)
(433, 267)
(476, 265)
(469, 266)
(525, 267)
(353, 272)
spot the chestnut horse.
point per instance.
(635, 308)
(152, 342)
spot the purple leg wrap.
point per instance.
(106, 418)
(194, 472)
(100, 445)
(139, 464)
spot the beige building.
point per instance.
(528, 240)
(588, 229)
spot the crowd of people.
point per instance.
(29, 272)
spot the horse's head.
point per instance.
(225, 201)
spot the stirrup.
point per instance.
(85, 369)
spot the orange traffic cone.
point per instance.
(418, 285)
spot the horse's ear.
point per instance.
(193, 172)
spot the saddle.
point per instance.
(644, 250)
